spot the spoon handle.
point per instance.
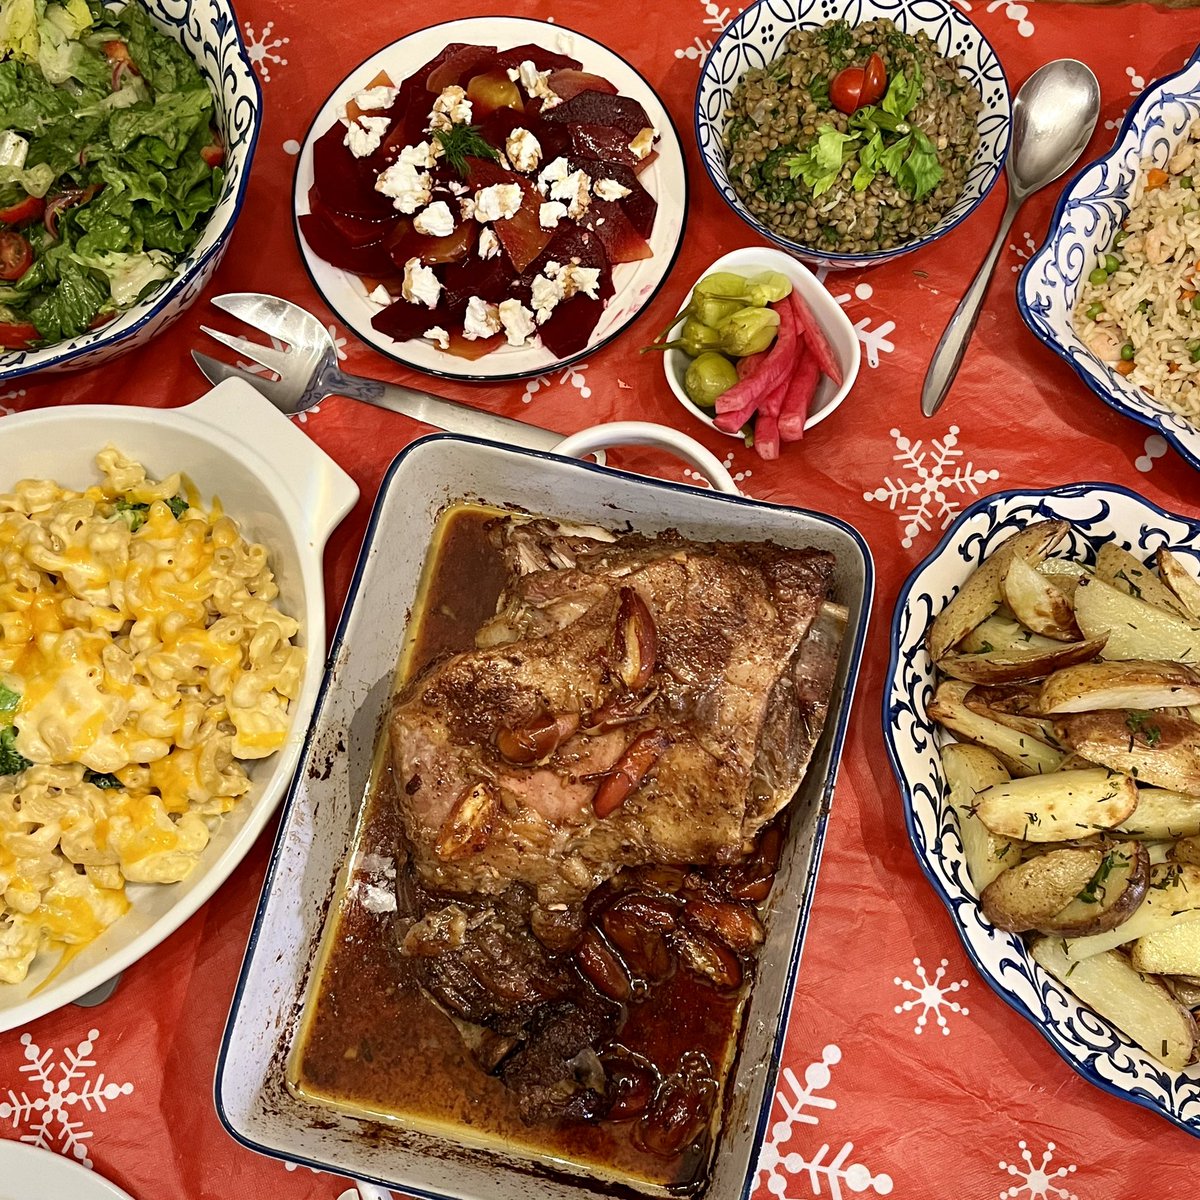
(943, 367)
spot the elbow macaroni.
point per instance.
(146, 653)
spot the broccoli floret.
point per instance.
(178, 506)
(11, 762)
(135, 514)
(8, 699)
(96, 779)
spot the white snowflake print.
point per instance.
(573, 375)
(13, 394)
(739, 477)
(1026, 247)
(932, 995)
(292, 147)
(1014, 12)
(263, 49)
(924, 498)
(1037, 1183)
(1156, 447)
(875, 341)
(65, 1088)
(716, 18)
(1136, 83)
(778, 1165)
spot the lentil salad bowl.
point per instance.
(848, 144)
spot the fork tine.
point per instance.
(268, 356)
(216, 371)
(280, 318)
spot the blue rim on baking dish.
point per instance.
(1085, 219)
(763, 1067)
(1085, 1041)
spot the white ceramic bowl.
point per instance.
(829, 314)
(756, 36)
(317, 829)
(1098, 513)
(209, 31)
(290, 497)
(1089, 213)
(635, 283)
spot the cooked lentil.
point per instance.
(778, 111)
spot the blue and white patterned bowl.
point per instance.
(755, 38)
(208, 30)
(1098, 513)
(1089, 212)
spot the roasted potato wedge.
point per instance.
(1161, 813)
(1185, 989)
(980, 595)
(1072, 891)
(1187, 850)
(1135, 628)
(1064, 574)
(1059, 807)
(1174, 951)
(1019, 753)
(1182, 583)
(1141, 1008)
(1131, 683)
(1002, 632)
(1153, 747)
(1014, 705)
(1037, 603)
(969, 771)
(1019, 666)
(1173, 898)
(1133, 577)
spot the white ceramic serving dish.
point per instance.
(1086, 219)
(284, 492)
(833, 320)
(209, 31)
(756, 36)
(32, 1173)
(1098, 513)
(319, 819)
(635, 283)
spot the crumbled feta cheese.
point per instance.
(644, 142)
(575, 192)
(565, 44)
(466, 207)
(408, 188)
(369, 99)
(421, 285)
(610, 189)
(380, 296)
(481, 320)
(536, 85)
(457, 189)
(435, 221)
(523, 149)
(364, 135)
(552, 173)
(498, 202)
(573, 278)
(517, 321)
(438, 336)
(13, 150)
(451, 108)
(423, 155)
(550, 213)
(489, 243)
(544, 295)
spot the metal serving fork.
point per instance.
(308, 371)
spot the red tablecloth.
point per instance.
(904, 1074)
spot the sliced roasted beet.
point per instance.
(648, 161)
(544, 60)
(639, 206)
(353, 112)
(327, 243)
(436, 61)
(472, 349)
(568, 83)
(343, 182)
(492, 90)
(500, 122)
(604, 144)
(571, 244)
(403, 320)
(411, 244)
(521, 235)
(354, 231)
(572, 321)
(599, 108)
(622, 242)
(458, 67)
(490, 279)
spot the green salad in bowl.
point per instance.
(110, 164)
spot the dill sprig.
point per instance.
(461, 142)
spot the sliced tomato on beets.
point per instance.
(622, 243)
(18, 335)
(521, 235)
(543, 59)
(408, 243)
(599, 108)
(342, 182)
(23, 212)
(326, 243)
(355, 231)
(458, 67)
(568, 83)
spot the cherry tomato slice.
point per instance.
(17, 335)
(16, 256)
(874, 81)
(23, 212)
(845, 92)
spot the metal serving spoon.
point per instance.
(1054, 115)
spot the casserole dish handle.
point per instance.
(645, 433)
(322, 492)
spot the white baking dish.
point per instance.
(285, 492)
(319, 819)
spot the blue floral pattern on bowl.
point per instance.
(756, 37)
(1098, 513)
(208, 30)
(1087, 217)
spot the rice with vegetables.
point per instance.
(1139, 310)
(852, 139)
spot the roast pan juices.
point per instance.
(514, 927)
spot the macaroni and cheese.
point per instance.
(142, 661)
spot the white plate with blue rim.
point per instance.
(31, 1173)
(1086, 219)
(1098, 513)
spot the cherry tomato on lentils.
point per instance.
(16, 256)
(874, 81)
(845, 92)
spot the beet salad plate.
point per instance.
(490, 198)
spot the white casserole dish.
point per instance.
(285, 492)
(320, 815)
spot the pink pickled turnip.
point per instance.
(814, 335)
(801, 388)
